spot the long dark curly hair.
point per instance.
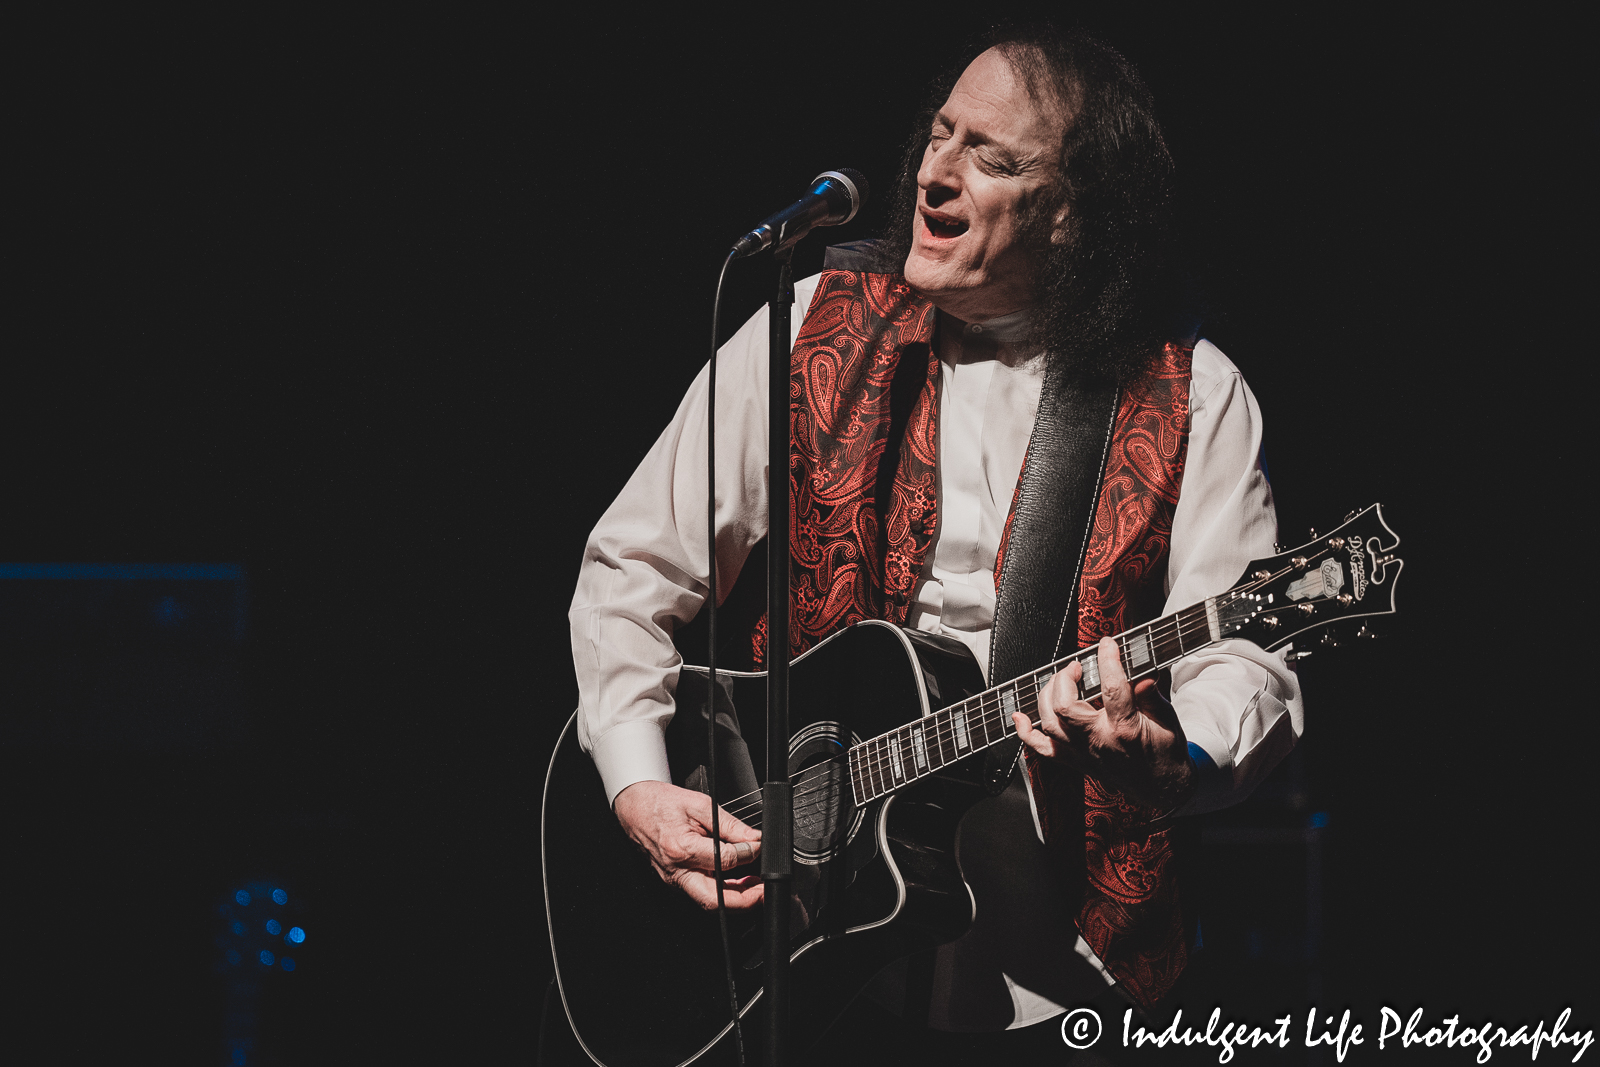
(1111, 294)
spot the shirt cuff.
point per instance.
(630, 752)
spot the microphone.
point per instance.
(835, 197)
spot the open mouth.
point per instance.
(943, 227)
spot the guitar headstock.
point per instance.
(1347, 574)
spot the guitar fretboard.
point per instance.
(894, 760)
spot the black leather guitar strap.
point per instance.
(1037, 601)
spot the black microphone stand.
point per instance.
(777, 792)
(781, 232)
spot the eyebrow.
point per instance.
(973, 137)
(1010, 157)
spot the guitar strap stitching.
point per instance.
(1088, 521)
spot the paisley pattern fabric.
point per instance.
(862, 523)
(851, 563)
(1131, 915)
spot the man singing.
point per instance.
(1005, 433)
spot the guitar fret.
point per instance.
(1008, 702)
(1136, 652)
(976, 734)
(1028, 701)
(1191, 624)
(1091, 674)
(919, 749)
(1196, 629)
(986, 723)
(958, 718)
(937, 738)
(1170, 645)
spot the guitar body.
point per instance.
(640, 965)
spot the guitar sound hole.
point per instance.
(824, 817)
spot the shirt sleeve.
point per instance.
(645, 569)
(1240, 706)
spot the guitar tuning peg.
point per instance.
(1370, 635)
(1276, 547)
(1313, 533)
(1329, 641)
(1349, 515)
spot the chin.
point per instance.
(925, 276)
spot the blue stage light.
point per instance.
(237, 927)
(273, 927)
(296, 934)
(266, 958)
(169, 612)
(242, 897)
(279, 897)
(1319, 819)
(288, 964)
(233, 957)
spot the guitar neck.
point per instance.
(894, 760)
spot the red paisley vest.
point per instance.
(860, 534)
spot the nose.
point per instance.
(937, 177)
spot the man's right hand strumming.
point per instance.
(673, 826)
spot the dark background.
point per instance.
(387, 312)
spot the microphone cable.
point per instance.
(711, 654)
(804, 212)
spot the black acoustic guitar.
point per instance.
(887, 722)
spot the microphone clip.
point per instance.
(834, 199)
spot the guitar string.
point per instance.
(944, 730)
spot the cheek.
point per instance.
(1000, 213)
